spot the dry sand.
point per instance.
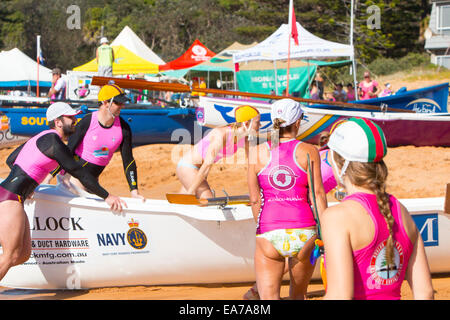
(413, 173)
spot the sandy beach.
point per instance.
(413, 173)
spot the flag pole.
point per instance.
(288, 67)
(38, 47)
(352, 18)
(291, 7)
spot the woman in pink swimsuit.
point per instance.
(371, 242)
(368, 89)
(280, 197)
(193, 169)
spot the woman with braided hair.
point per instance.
(371, 242)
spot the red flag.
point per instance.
(294, 32)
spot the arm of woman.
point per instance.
(338, 254)
(253, 185)
(213, 149)
(319, 191)
(418, 271)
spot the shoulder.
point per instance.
(217, 134)
(84, 122)
(341, 215)
(408, 223)
(333, 217)
(50, 136)
(305, 147)
(87, 117)
(124, 124)
(49, 139)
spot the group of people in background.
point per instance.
(367, 89)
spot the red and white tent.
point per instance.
(196, 54)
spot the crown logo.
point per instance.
(133, 223)
(138, 241)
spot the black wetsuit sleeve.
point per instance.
(76, 138)
(52, 146)
(13, 156)
(126, 150)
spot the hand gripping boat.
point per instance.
(78, 243)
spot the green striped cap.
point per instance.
(359, 140)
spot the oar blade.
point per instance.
(177, 198)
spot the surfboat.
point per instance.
(78, 243)
(400, 128)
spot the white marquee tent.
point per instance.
(19, 70)
(132, 42)
(275, 47)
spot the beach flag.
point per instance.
(40, 57)
(293, 23)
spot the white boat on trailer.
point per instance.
(78, 243)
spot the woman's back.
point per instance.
(225, 137)
(367, 231)
(284, 187)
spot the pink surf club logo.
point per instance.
(282, 178)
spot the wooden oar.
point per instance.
(191, 199)
(182, 198)
(178, 87)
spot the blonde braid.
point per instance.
(275, 134)
(373, 176)
(378, 186)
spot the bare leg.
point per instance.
(14, 236)
(301, 271)
(186, 175)
(252, 293)
(269, 266)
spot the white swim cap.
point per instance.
(59, 109)
(287, 110)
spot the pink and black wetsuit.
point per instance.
(32, 161)
(284, 191)
(373, 279)
(93, 146)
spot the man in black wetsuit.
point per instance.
(30, 163)
(98, 135)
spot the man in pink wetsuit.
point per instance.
(30, 164)
(99, 134)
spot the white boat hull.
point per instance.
(78, 243)
(401, 128)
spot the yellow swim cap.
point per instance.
(109, 91)
(245, 113)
